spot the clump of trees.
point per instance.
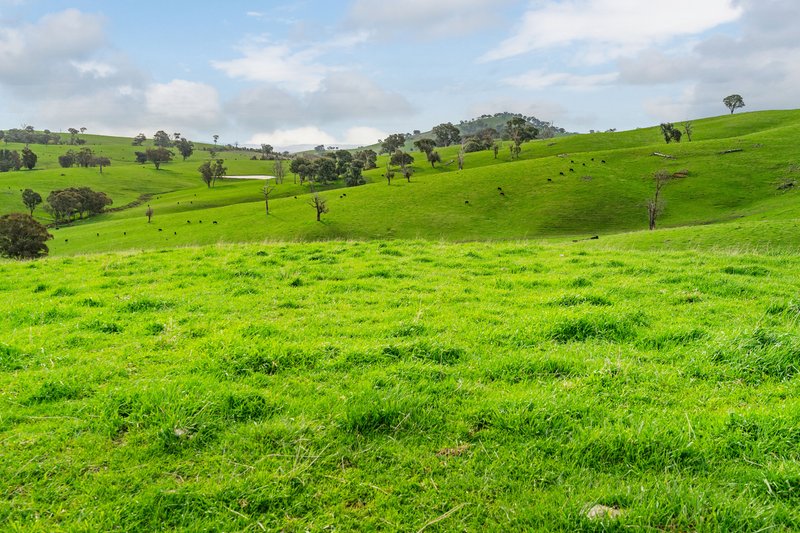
(446, 134)
(368, 158)
(10, 160)
(393, 142)
(85, 158)
(482, 140)
(28, 135)
(22, 237)
(733, 102)
(671, 133)
(65, 204)
(518, 131)
(157, 156)
(211, 171)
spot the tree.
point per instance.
(733, 102)
(278, 171)
(211, 171)
(63, 204)
(22, 237)
(325, 169)
(687, 129)
(141, 157)
(31, 199)
(28, 158)
(302, 167)
(73, 134)
(354, 176)
(67, 160)
(433, 158)
(101, 161)
(400, 158)
(139, 139)
(84, 157)
(9, 160)
(667, 129)
(319, 204)
(389, 175)
(368, 157)
(393, 142)
(149, 213)
(266, 150)
(266, 190)
(343, 160)
(426, 146)
(161, 139)
(519, 130)
(446, 134)
(216, 138)
(461, 158)
(654, 205)
(186, 148)
(158, 156)
(676, 135)
(495, 149)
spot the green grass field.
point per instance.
(383, 385)
(432, 356)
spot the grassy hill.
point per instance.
(541, 196)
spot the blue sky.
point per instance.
(350, 72)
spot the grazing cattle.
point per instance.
(602, 160)
(502, 193)
(174, 232)
(199, 221)
(571, 161)
(561, 173)
(66, 240)
(159, 229)
(188, 221)
(572, 170)
(98, 234)
(214, 222)
(344, 194)
(466, 201)
(124, 232)
(593, 159)
(499, 188)
(548, 179)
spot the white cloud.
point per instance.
(612, 28)
(363, 135)
(539, 79)
(307, 135)
(431, 19)
(96, 69)
(38, 52)
(183, 101)
(295, 69)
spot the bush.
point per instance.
(22, 237)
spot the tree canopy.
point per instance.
(22, 237)
(733, 102)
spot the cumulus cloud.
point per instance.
(612, 28)
(182, 102)
(760, 63)
(305, 135)
(297, 69)
(44, 50)
(539, 79)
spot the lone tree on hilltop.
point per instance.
(31, 199)
(22, 237)
(654, 205)
(319, 204)
(733, 102)
(519, 130)
(161, 138)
